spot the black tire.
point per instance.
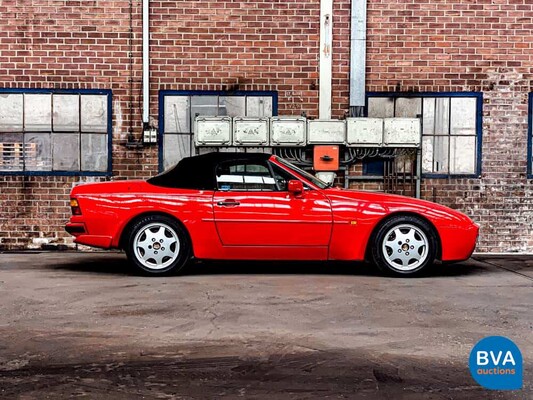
(404, 246)
(157, 245)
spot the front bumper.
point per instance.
(458, 243)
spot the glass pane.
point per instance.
(175, 147)
(65, 152)
(463, 155)
(177, 114)
(258, 106)
(408, 107)
(233, 106)
(204, 105)
(94, 113)
(435, 154)
(11, 152)
(38, 148)
(463, 116)
(11, 112)
(436, 116)
(381, 107)
(94, 155)
(38, 112)
(66, 116)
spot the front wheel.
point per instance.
(157, 245)
(404, 246)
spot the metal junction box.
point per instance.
(324, 131)
(401, 132)
(288, 131)
(250, 131)
(364, 132)
(212, 131)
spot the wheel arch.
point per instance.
(133, 220)
(402, 214)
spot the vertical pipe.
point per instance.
(146, 62)
(357, 57)
(326, 34)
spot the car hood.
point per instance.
(383, 203)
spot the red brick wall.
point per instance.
(238, 45)
(448, 45)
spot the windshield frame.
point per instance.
(304, 174)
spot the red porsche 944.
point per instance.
(243, 206)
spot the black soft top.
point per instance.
(198, 172)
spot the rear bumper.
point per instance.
(75, 229)
(78, 230)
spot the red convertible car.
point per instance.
(243, 206)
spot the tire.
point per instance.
(157, 245)
(404, 246)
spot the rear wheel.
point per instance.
(404, 246)
(157, 245)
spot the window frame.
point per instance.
(479, 124)
(109, 133)
(530, 136)
(161, 105)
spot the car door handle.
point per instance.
(228, 203)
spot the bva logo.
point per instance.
(496, 363)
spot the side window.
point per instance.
(243, 176)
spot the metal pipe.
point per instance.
(325, 71)
(146, 62)
(357, 57)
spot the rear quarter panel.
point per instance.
(107, 210)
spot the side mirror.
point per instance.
(296, 187)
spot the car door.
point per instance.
(252, 207)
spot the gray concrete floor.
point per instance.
(81, 325)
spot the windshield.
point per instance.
(305, 174)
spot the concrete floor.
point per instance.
(81, 325)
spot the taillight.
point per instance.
(75, 207)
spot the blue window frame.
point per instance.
(530, 137)
(178, 108)
(55, 132)
(451, 128)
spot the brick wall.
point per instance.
(422, 45)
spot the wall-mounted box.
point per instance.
(250, 131)
(364, 132)
(401, 132)
(288, 131)
(212, 131)
(324, 131)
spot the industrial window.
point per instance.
(55, 132)
(530, 138)
(177, 110)
(451, 128)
